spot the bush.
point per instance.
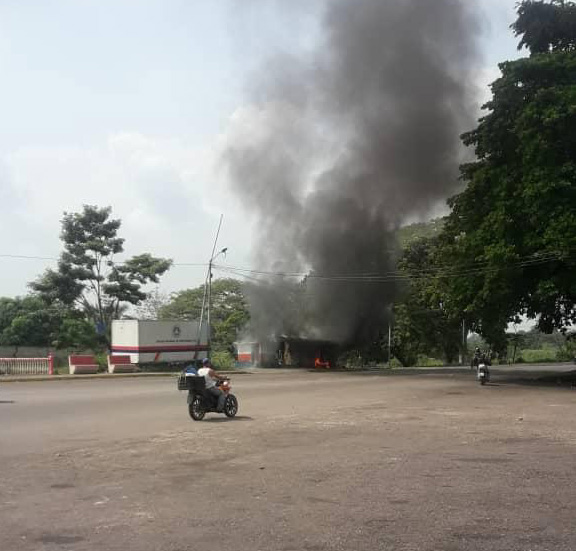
(223, 360)
(566, 354)
(425, 361)
(543, 355)
(102, 361)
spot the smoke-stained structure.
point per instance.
(337, 150)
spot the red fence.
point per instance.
(27, 366)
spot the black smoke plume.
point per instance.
(339, 148)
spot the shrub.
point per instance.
(222, 359)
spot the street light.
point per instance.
(209, 317)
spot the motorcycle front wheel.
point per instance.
(196, 409)
(231, 406)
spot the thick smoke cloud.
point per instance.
(338, 150)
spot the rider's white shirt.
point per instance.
(205, 372)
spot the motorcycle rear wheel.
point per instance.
(196, 409)
(231, 406)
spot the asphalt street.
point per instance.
(315, 461)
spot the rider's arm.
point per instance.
(215, 375)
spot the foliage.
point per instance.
(545, 26)
(88, 278)
(567, 352)
(422, 230)
(27, 321)
(425, 361)
(30, 321)
(511, 235)
(223, 360)
(422, 326)
(229, 311)
(541, 355)
(77, 333)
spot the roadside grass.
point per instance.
(425, 361)
(542, 355)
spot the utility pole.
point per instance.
(209, 317)
(389, 345)
(206, 308)
(213, 256)
(463, 348)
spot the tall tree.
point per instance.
(511, 235)
(422, 324)
(88, 277)
(546, 26)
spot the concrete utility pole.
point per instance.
(464, 343)
(389, 345)
(209, 278)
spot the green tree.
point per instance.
(88, 278)
(511, 236)
(77, 333)
(546, 26)
(422, 325)
(27, 322)
(229, 311)
(30, 321)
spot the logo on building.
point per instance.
(176, 331)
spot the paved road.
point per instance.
(315, 461)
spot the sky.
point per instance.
(128, 103)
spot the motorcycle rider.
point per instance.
(476, 358)
(211, 378)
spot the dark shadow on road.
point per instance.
(7, 402)
(505, 376)
(565, 380)
(227, 419)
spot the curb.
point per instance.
(101, 376)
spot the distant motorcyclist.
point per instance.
(212, 378)
(476, 358)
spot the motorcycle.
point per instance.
(483, 373)
(201, 401)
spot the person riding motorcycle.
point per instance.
(212, 378)
(476, 358)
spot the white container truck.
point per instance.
(159, 341)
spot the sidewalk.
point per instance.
(108, 376)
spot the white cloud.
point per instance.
(166, 193)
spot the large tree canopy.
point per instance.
(88, 277)
(511, 236)
(421, 323)
(546, 26)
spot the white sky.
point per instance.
(126, 103)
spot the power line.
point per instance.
(396, 276)
(434, 272)
(379, 275)
(26, 257)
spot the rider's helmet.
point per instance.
(206, 362)
(477, 351)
